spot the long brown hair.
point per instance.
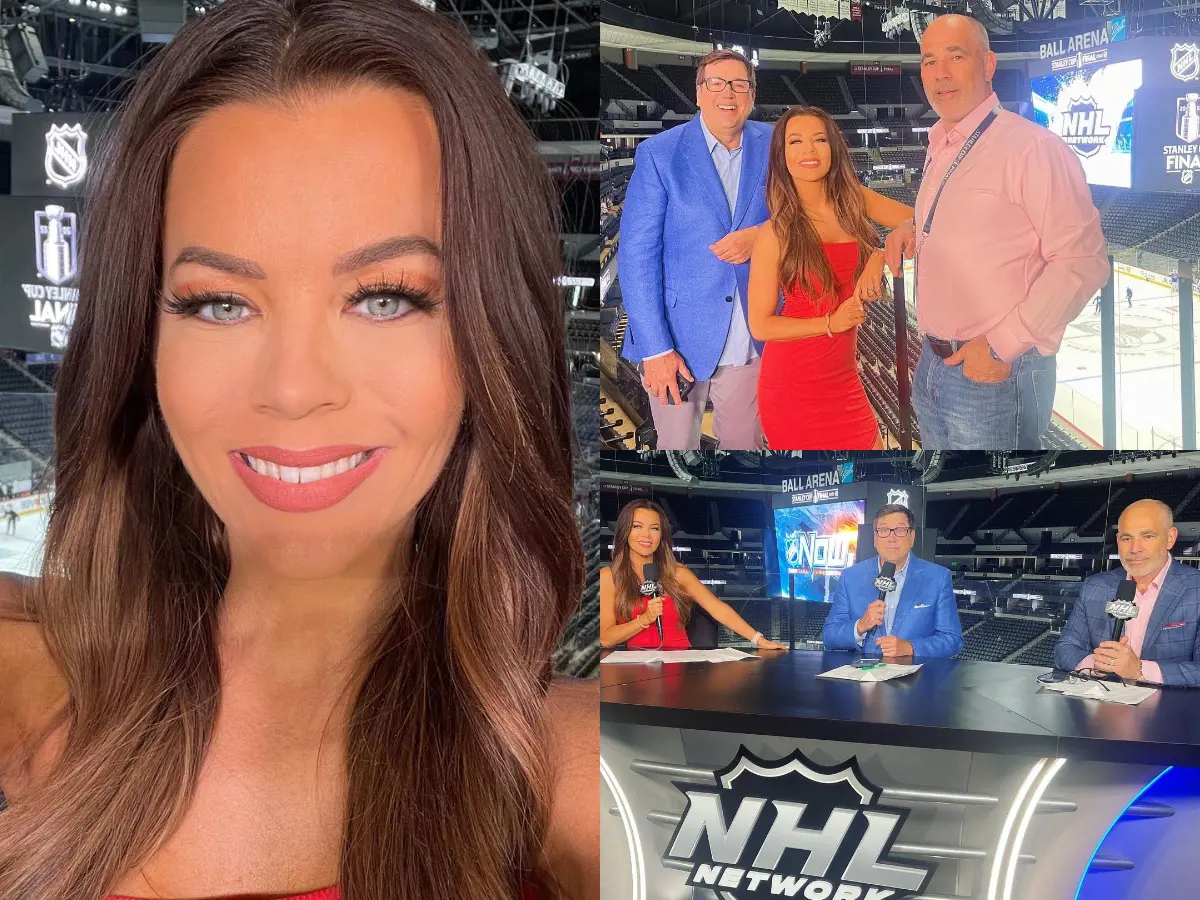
(626, 580)
(801, 257)
(448, 776)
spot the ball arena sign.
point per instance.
(793, 828)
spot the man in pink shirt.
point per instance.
(1007, 254)
(1161, 643)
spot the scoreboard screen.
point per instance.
(1092, 110)
(1129, 109)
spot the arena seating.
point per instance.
(1040, 652)
(29, 419)
(899, 192)
(999, 637)
(821, 90)
(1181, 242)
(44, 372)
(913, 158)
(1130, 218)
(684, 78)
(892, 90)
(773, 91)
(627, 85)
(13, 380)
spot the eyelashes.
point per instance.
(407, 298)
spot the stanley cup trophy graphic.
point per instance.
(1187, 118)
(55, 228)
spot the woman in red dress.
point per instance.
(820, 248)
(628, 618)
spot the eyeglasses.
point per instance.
(1076, 677)
(902, 531)
(716, 85)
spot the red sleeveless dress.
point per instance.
(810, 396)
(674, 637)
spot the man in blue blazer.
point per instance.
(918, 618)
(1162, 642)
(692, 210)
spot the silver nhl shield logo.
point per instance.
(66, 155)
(55, 240)
(792, 828)
(1185, 62)
(898, 496)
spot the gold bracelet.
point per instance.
(828, 330)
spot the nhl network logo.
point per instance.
(792, 828)
(1185, 62)
(1083, 127)
(898, 496)
(66, 155)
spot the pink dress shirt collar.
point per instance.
(942, 133)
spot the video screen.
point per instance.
(815, 543)
(1091, 109)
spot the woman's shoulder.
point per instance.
(683, 573)
(573, 843)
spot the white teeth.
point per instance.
(307, 474)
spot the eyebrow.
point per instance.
(948, 50)
(389, 248)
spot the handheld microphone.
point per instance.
(652, 589)
(884, 582)
(1123, 607)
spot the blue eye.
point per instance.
(208, 307)
(384, 306)
(387, 301)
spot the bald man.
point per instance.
(1008, 248)
(1162, 643)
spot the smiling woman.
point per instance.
(315, 389)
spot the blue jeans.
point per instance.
(955, 413)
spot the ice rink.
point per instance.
(1149, 398)
(1149, 410)
(22, 552)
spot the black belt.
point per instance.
(944, 349)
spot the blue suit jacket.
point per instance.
(1176, 650)
(926, 617)
(673, 286)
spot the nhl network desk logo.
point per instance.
(792, 828)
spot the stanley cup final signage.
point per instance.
(39, 261)
(793, 828)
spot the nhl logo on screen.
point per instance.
(1083, 127)
(66, 155)
(897, 497)
(1185, 62)
(792, 828)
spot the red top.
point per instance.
(528, 892)
(809, 394)
(674, 637)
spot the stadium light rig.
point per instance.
(822, 35)
(897, 23)
(535, 87)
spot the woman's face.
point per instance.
(305, 370)
(646, 533)
(806, 148)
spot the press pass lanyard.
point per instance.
(962, 154)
